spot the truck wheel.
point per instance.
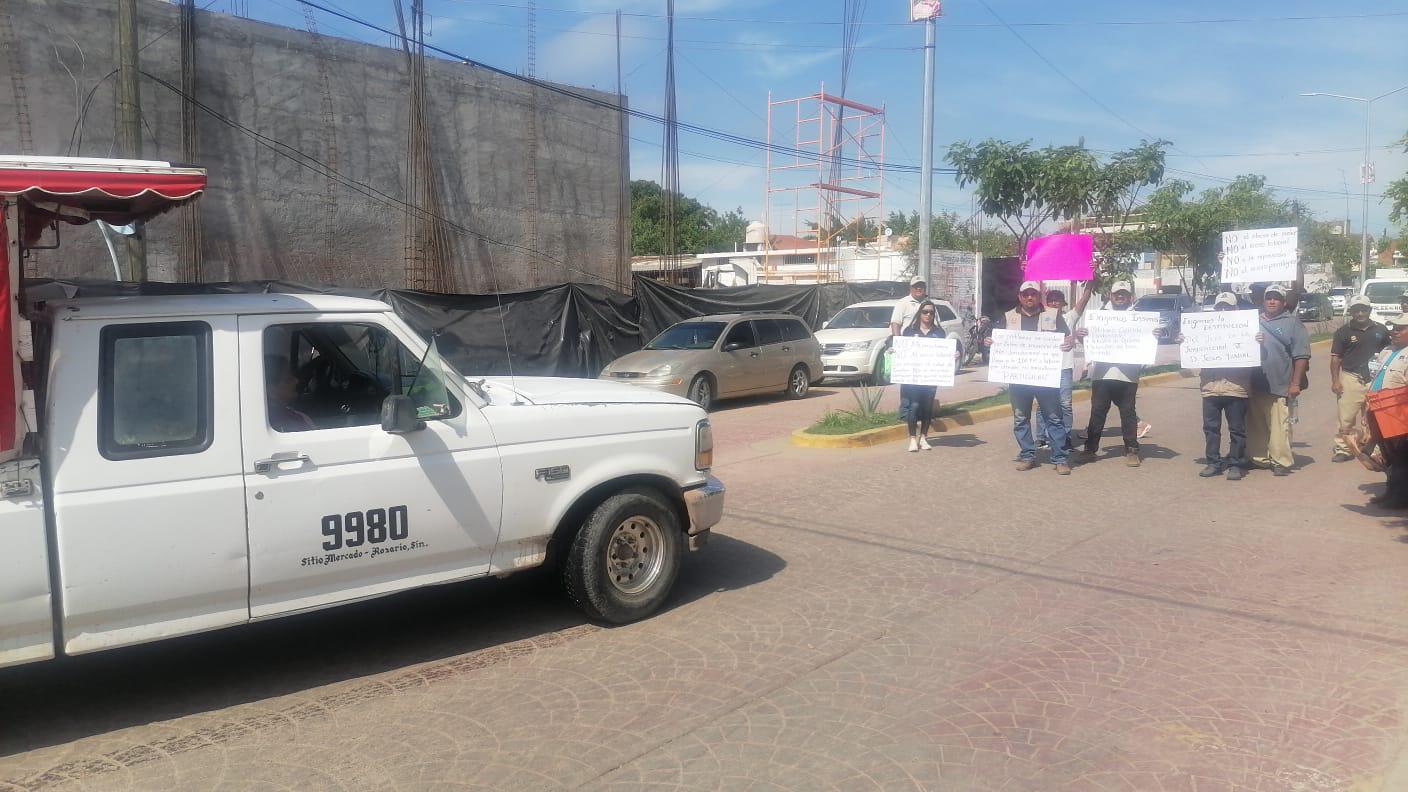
(626, 557)
(798, 382)
(701, 391)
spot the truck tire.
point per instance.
(626, 558)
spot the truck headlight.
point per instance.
(703, 445)
(857, 346)
(660, 371)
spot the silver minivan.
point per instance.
(725, 355)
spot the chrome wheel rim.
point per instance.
(702, 395)
(799, 382)
(635, 555)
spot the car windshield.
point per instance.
(1156, 303)
(688, 335)
(1339, 291)
(1388, 292)
(849, 318)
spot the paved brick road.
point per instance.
(864, 620)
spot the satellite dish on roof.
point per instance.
(889, 232)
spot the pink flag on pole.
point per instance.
(1061, 257)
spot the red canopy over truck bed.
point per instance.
(36, 193)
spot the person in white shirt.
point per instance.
(907, 307)
(1118, 384)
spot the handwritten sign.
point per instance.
(1220, 339)
(1061, 257)
(924, 361)
(1122, 337)
(1263, 254)
(1026, 357)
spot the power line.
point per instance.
(949, 24)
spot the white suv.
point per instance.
(855, 338)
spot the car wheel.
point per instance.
(626, 557)
(701, 391)
(798, 382)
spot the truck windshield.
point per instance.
(688, 335)
(857, 317)
(1385, 292)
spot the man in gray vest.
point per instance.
(1031, 315)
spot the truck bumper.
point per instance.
(706, 508)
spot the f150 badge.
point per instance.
(551, 474)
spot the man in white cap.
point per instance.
(907, 307)
(1031, 315)
(1354, 345)
(1226, 394)
(1055, 298)
(1118, 384)
(1285, 356)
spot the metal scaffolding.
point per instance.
(834, 198)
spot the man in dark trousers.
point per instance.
(1354, 345)
(1118, 384)
(1031, 315)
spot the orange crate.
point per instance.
(1390, 409)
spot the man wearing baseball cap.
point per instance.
(1285, 356)
(1114, 383)
(1354, 345)
(1030, 315)
(907, 307)
(1226, 393)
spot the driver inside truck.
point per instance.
(281, 392)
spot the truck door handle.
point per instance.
(277, 463)
(787, 349)
(752, 354)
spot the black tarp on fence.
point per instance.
(572, 330)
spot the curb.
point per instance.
(890, 434)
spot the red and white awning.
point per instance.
(116, 191)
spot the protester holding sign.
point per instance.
(1285, 356)
(1226, 394)
(917, 401)
(1354, 345)
(1118, 384)
(1056, 299)
(906, 307)
(1393, 375)
(1030, 317)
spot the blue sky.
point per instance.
(1216, 89)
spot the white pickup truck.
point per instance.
(206, 461)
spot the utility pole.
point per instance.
(129, 118)
(926, 159)
(623, 202)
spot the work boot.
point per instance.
(1026, 464)
(1280, 470)
(1341, 456)
(1213, 470)
(1062, 469)
(1235, 474)
(1083, 456)
(1131, 459)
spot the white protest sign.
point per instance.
(1220, 339)
(1262, 254)
(924, 361)
(1026, 357)
(1122, 337)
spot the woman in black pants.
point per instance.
(917, 401)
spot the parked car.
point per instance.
(1339, 298)
(853, 343)
(1210, 300)
(1170, 308)
(725, 356)
(1315, 307)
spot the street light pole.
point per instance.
(1366, 169)
(926, 158)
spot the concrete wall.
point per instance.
(265, 215)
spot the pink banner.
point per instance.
(1061, 257)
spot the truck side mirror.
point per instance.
(398, 415)
(732, 346)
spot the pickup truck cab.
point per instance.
(200, 462)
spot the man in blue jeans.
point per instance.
(1031, 316)
(1056, 299)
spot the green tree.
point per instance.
(1397, 193)
(698, 228)
(1342, 252)
(1026, 188)
(948, 232)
